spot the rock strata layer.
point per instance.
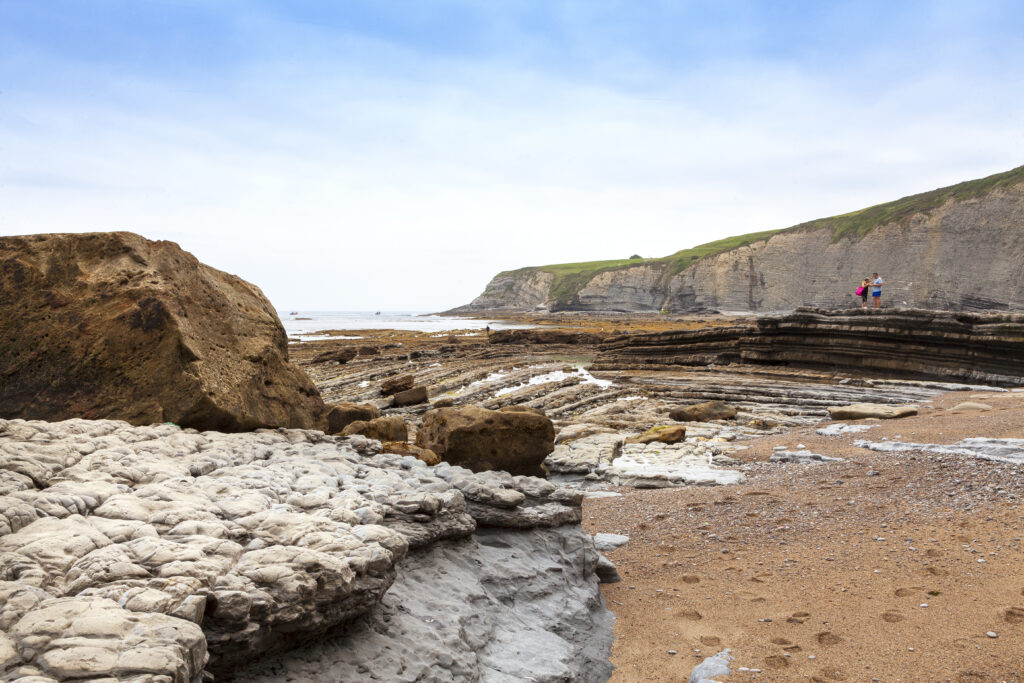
(112, 325)
(930, 345)
(134, 553)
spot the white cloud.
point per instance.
(402, 181)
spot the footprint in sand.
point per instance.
(691, 578)
(892, 617)
(799, 617)
(906, 592)
(711, 641)
(970, 677)
(776, 662)
(781, 641)
(1014, 615)
(690, 614)
(932, 552)
(828, 638)
(792, 648)
(828, 675)
(936, 571)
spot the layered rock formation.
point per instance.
(111, 325)
(958, 248)
(135, 553)
(933, 345)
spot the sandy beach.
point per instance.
(880, 567)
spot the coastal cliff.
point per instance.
(955, 248)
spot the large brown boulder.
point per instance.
(341, 415)
(382, 429)
(112, 325)
(702, 412)
(516, 441)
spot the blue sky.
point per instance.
(389, 155)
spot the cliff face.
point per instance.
(517, 289)
(954, 248)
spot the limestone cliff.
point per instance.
(955, 248)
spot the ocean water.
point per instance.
(305, 324)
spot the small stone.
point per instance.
(671, 652)
(924, 604)
(992, 634)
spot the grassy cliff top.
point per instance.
(570, 278)
(859, 223)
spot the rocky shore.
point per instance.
(410, 506)
(755, 532)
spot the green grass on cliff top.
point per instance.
(859, 223)
(570, 278)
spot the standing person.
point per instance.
(864, 288)
(876, 285)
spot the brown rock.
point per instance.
(112, 325)
(443, 403)
(340, 415)
(516, 441)
(762, 423)
(410, 397)
(368, 351)
(396, 384)
(342, 355)
(382, 428)
(662, 434)
(702, 412)
(402, 448)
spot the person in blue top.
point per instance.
(876, 287)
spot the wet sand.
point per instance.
(887, 567)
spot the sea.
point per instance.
(304, 325)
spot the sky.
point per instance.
(397, 154)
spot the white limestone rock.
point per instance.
(264, 540)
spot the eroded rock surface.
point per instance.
(495, 607)
(112, 325)
(117, 543)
